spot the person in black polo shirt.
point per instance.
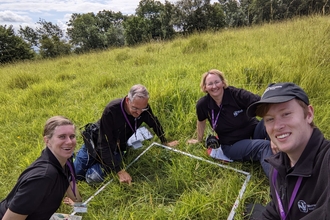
(40, 189)
(240, 137)
(120, 120)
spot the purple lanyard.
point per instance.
(214, 122)
(72, 177)
(123, 111)
(293, 196)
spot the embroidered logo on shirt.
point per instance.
(235, 113)
(303, 207)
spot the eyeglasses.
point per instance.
(213, 83)
(139, 109)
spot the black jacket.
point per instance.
(115, 131)
(313, 198)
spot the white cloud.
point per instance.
(76, 6)
(10, 16)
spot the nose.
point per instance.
(69, 140)
(138, 112)
(278, 124)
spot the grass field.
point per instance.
(166, 185)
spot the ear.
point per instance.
(310, 114)
(46, 140)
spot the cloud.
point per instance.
(12, 17)
(77, 6)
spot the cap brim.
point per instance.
(251, 111)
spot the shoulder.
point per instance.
(42, 169)
(114, 103)
(37, 178)
(203, 100)
(233, 89)
(113, 106)
(244, 96)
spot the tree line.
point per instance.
(152, 21)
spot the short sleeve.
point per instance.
(30, 195)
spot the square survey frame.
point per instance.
(240, 193)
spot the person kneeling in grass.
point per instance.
(120, 120)
(40, 189)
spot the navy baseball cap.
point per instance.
(278, 93)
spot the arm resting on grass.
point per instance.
(200, 132)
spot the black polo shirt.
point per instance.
(39, 190)
(232, 124)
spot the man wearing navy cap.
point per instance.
(299, 178)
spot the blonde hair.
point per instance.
(214, 72)
(53, 122)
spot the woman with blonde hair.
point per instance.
(41, 188)
(234, 132)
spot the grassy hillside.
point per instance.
(167, 186)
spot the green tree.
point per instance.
(48, 39)
(235, 15)
(306, 7)
(216, 17)
(166, 17)
(155, 17)
(48, 29)
(29, 35)
(198, 15)
(135, 30)
(110, 24)
(90, 32)
(12, 47)
(83, 32)
(152, 20)
(150, 11)
(52, 47)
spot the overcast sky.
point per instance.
(28, 12)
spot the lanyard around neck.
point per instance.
(72, 177)
(123, 111)
(293, 196)
(214, 121)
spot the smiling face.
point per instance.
(289, 126)
(213, 85)
(62, 142)
(136, 106)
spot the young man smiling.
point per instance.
(299, 179)
(120, 120)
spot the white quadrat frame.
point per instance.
(240, 194)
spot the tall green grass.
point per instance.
(166, 185)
